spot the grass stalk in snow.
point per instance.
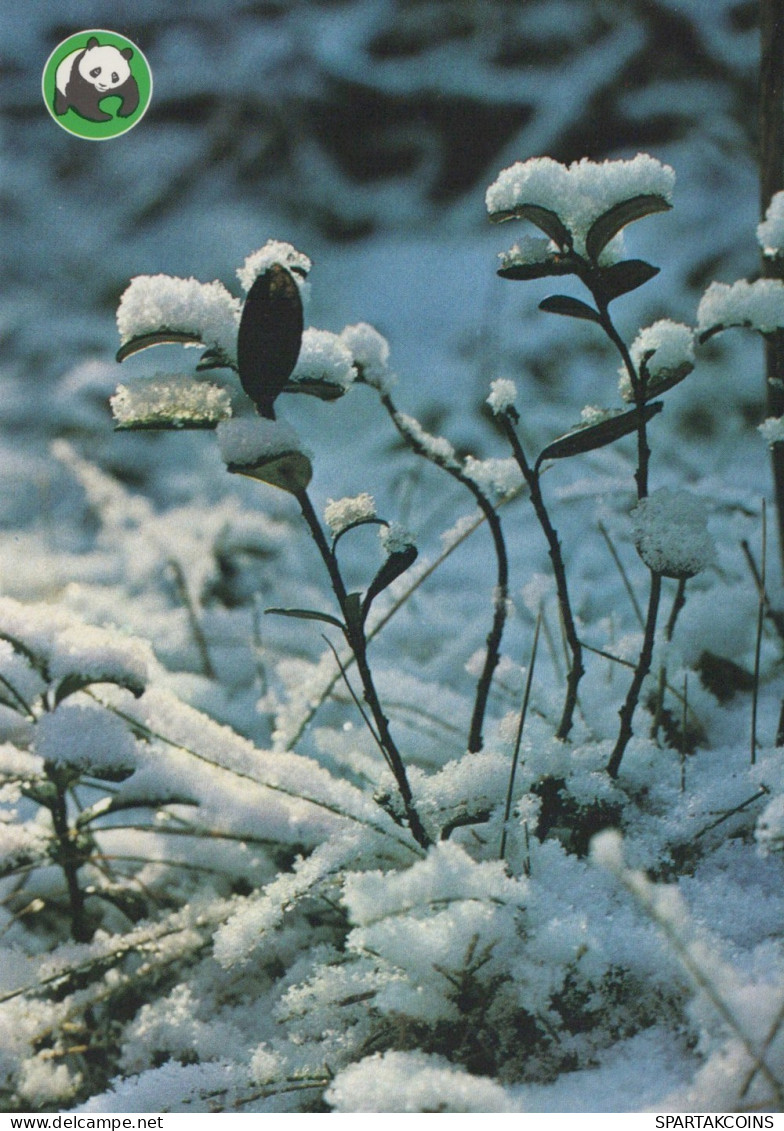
(197, 631)
(623, 574)
(684, 716)
(762, 600)
(689, 955)
(519, 735)
(576, 667)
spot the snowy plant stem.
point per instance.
(677, 605)
(576, 667)
(771, 134)
(639, 393)
(355, 635)
(493, 650)
(69, 859)
(640, 672)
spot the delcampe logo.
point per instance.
(97, 84)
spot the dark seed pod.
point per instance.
(270, 337)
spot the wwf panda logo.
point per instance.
(84, 78)
(98, 66)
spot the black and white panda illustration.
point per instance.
(93, 73)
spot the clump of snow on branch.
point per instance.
(503, 394)
(496, 478)
(323, 356)
(665, 349)
(246, 440)
(770, 232)
(592, 414)
(436, 448)
(65, 646)
(370, 351)
(578, 193)
(86, 738)
(772, 430)
(671, 534)
(152, 303)
(529, 250)
(173, 399)
(274, 251)
(341, 513)
(758, 305)
(395, 538)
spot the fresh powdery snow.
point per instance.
(176, 400)
(370, 351)
(245, 440)
(274, 251)
(671, 533)
(342, 513)
(207, 311)
(578, 193)
(666, 348)
(324, 356)
(395, 538)
(758, 305)
(503, 394)
(770, 233)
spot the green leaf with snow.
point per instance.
(169, 424)
(542, 269)
(396, 564)
(614, 219)
(162, 337)
(544, 218)
(596, 434)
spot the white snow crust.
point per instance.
(170, 399)
(340, 513)
(671, 533)
(759, 305)
(274, 251)
(245, 440)
(578, 193)
(164, 302)
(770, 232)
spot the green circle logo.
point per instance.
(97, 84)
